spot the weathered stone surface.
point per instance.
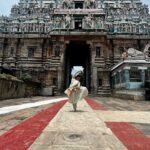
(11, 89)
(91, 132)
(47, 91)
(39, 45)
(124, 116)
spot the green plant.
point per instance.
(26, 77)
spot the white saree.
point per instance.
(76, 92)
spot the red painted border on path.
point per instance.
(130, 136)
(22, 136)
(95, 105)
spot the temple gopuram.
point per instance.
(46, 38)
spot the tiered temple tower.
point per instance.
(46, 38)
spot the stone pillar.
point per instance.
(127, 78)
(94, 80)
(114, 81)
(106, 80)
(18, 51)
(59, 79)
(93, 68)
(120, 79)
(61, 69)
(43, 46)
(143, 77)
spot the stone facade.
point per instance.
(45, 38)
(11, 89)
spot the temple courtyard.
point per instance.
(49, 123)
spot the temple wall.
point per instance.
(47, 64)
(34, 39)
(11, 89)
(122, 45)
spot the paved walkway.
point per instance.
(99, 124)
(81, 130)
(124, 116)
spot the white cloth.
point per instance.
(76, 70)
(75, 92)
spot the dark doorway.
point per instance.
(77, 54)
(78, 23)
(78, 5)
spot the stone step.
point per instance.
(104, 95)
(104, 92)
(55, 91)
(104, 88)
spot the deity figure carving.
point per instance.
(88, 20)
(57, 22)
(1, 27)
(15, 28)
(57, 50)
(124, 55)
(49, 27)
(67, 4)
(67, 20)
(41, 27)
(118, 16)
(141, 29)
(99, 23)
(89, 3)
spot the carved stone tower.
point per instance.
(46, 38)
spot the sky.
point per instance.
(5, 5)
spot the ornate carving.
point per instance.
(67, 4)
(136, 54)
(99, 23)
(67, 20)
(57, 23)
(88, 20)
(147, 51)
(38, 16)
(89, 4)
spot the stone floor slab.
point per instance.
(124, 116)
(78, 130)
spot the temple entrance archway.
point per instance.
(78, 54)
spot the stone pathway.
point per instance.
(24, 134)
(132, 137)
(124, 116)
(99, 124)
(80, 130)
